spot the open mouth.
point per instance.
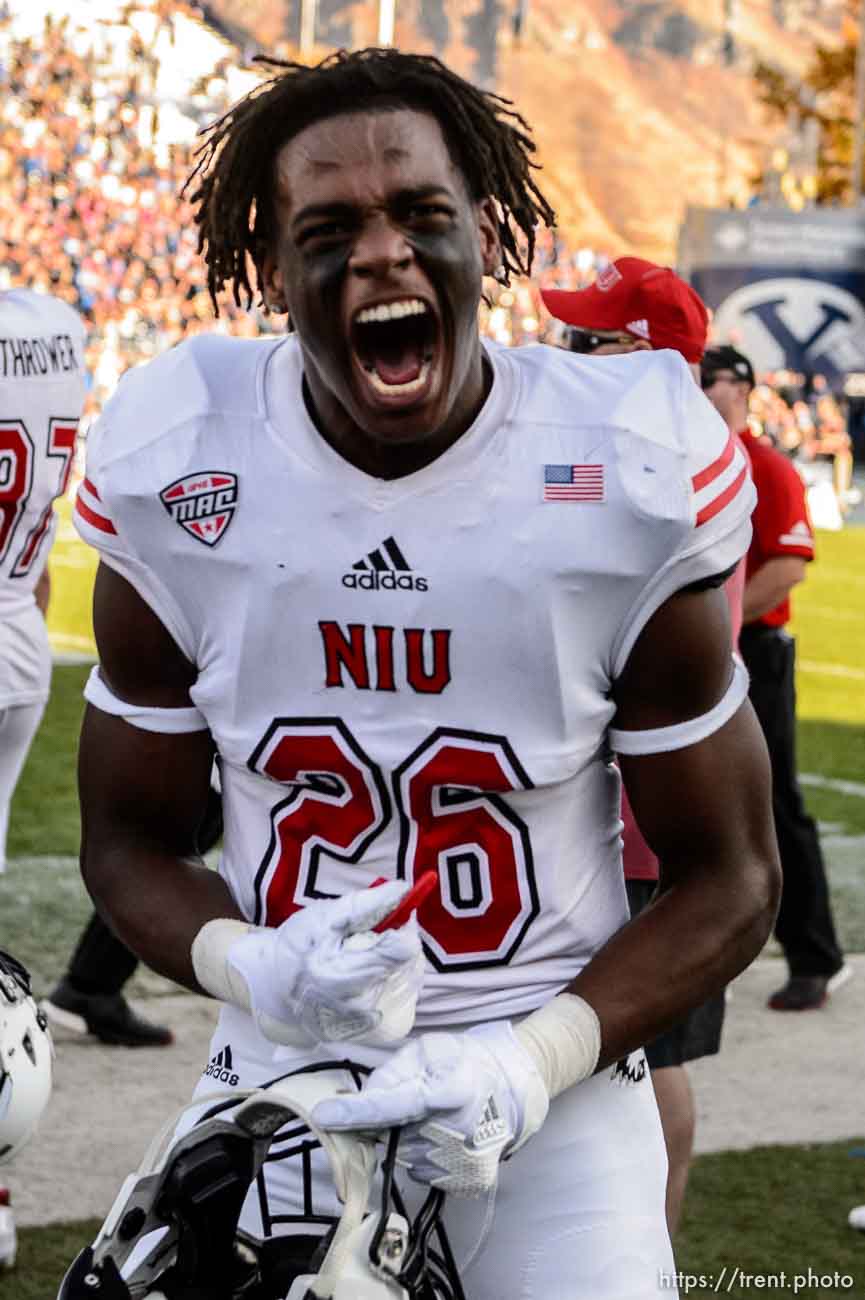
(395, 345)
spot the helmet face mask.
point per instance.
(26, 1059)
(173, 1234)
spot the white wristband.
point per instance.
(563, 1038)
(210, 963)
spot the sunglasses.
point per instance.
(709, 380)
(590, 340)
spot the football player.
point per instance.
(42, 391)
(414, 590)
(41, 396)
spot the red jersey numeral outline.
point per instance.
(62, 433)
(453, 821)
(17, 466)
(17, 456)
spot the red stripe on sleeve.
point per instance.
(715, 506)
(717, 466)
(97, 521)
(92, 489)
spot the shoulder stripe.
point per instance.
(91, 488)
(718, 503)
(91, 517)
(717, 467)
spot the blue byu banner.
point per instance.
(788, 288)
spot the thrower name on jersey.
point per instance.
(210, 490)
(42, 389)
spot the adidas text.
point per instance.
(218, 1072)
(387, 581)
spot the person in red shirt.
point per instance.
(781, 548)
(636, 305)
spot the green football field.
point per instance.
(43, 905)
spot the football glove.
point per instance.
(323, 976)
(464, 1101)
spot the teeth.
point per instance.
(391, 311)
(400, 390)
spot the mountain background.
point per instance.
(638, 108)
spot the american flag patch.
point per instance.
(573, 482)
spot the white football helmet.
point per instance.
(172, 1233)
(26, 1056)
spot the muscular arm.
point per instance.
(42, 591)
(706, 812)
(143, 793)
(771, 584)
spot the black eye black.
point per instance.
(326, 230)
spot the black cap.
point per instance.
(727, 358)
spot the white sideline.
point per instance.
(830, 670)
(854, 788)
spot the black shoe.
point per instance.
(808, 992)
(108, 1016)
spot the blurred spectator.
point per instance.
(512, 315)
(803, 418)
(90, 181)
(97, 136)
(781, 548)
(829, 440)
(96, 141)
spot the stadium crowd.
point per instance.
(90, 180)
(95, 146)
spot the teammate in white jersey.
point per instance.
(41, 396)
(413, 590)
(42, 392)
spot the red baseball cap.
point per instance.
(633, 296)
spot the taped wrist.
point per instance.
(563, 1039)
(210, 962)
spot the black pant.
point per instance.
(100, 963)
(804, 929)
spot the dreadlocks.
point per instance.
(234, 173)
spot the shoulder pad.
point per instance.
(206, 375)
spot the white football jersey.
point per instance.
(42, 390)
(415, 674)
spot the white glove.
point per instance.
(465, 1102)
(323, 976)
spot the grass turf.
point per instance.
(770, 1212)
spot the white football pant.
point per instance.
(579, 1211)
(18, 726)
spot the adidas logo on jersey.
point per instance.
(221, 1068)
(384, 569)
(799, 535)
